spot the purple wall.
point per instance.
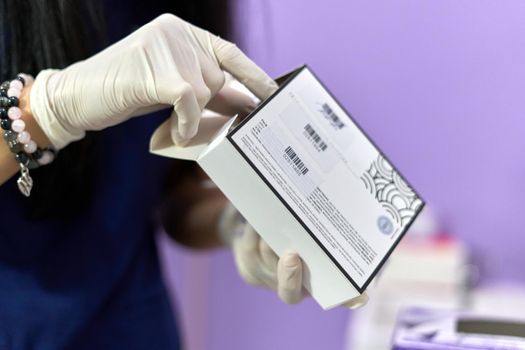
(440, 85)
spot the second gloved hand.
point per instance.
(167, 62)
(257, 263)
(260, 266)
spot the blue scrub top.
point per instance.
(91, 282)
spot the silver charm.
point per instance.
(25, 182)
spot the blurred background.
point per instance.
(440, 87)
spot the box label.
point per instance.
(330, 176)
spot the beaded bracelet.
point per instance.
(27, 154)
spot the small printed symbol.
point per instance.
(385, 225)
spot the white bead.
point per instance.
(14, 92)
(18, 125)
(24, 137)
(47, 157)
(30, 147)
(28, 78)
(16, 84)
(14, 113)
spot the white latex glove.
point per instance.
(167, 62)
(260, 266)
(257, 263)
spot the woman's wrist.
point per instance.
(31, 125)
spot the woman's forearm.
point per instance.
(191, 209)
(192, 220)
(201, 229)
(8, 165)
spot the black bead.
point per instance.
(21, 79)
(5, 85)
(3, 92)
(3, 113)
(21, 158)
(16, 147)
(10, 135)
(13, 101)
(4, 102)
(33, 164)
(5, 124)
(37, 154)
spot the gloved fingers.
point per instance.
(186, 115)
(290, 278)
(250, 262)
(268, 257)
(202, 93)
(357, 302)
(194, 76)
(235, 62)
(230, 102)
(254, 248)
(250, 241)
(251, 270)
(245, 269)
(213, 77)
(245, 251)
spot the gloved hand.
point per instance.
(260, 266)
(167, 62)
(257, 263)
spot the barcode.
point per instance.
(296, 160)
(332, 117)
(314, 136)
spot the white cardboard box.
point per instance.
(308, 179)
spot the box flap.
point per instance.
(162, 144)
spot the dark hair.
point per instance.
(37, 34)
